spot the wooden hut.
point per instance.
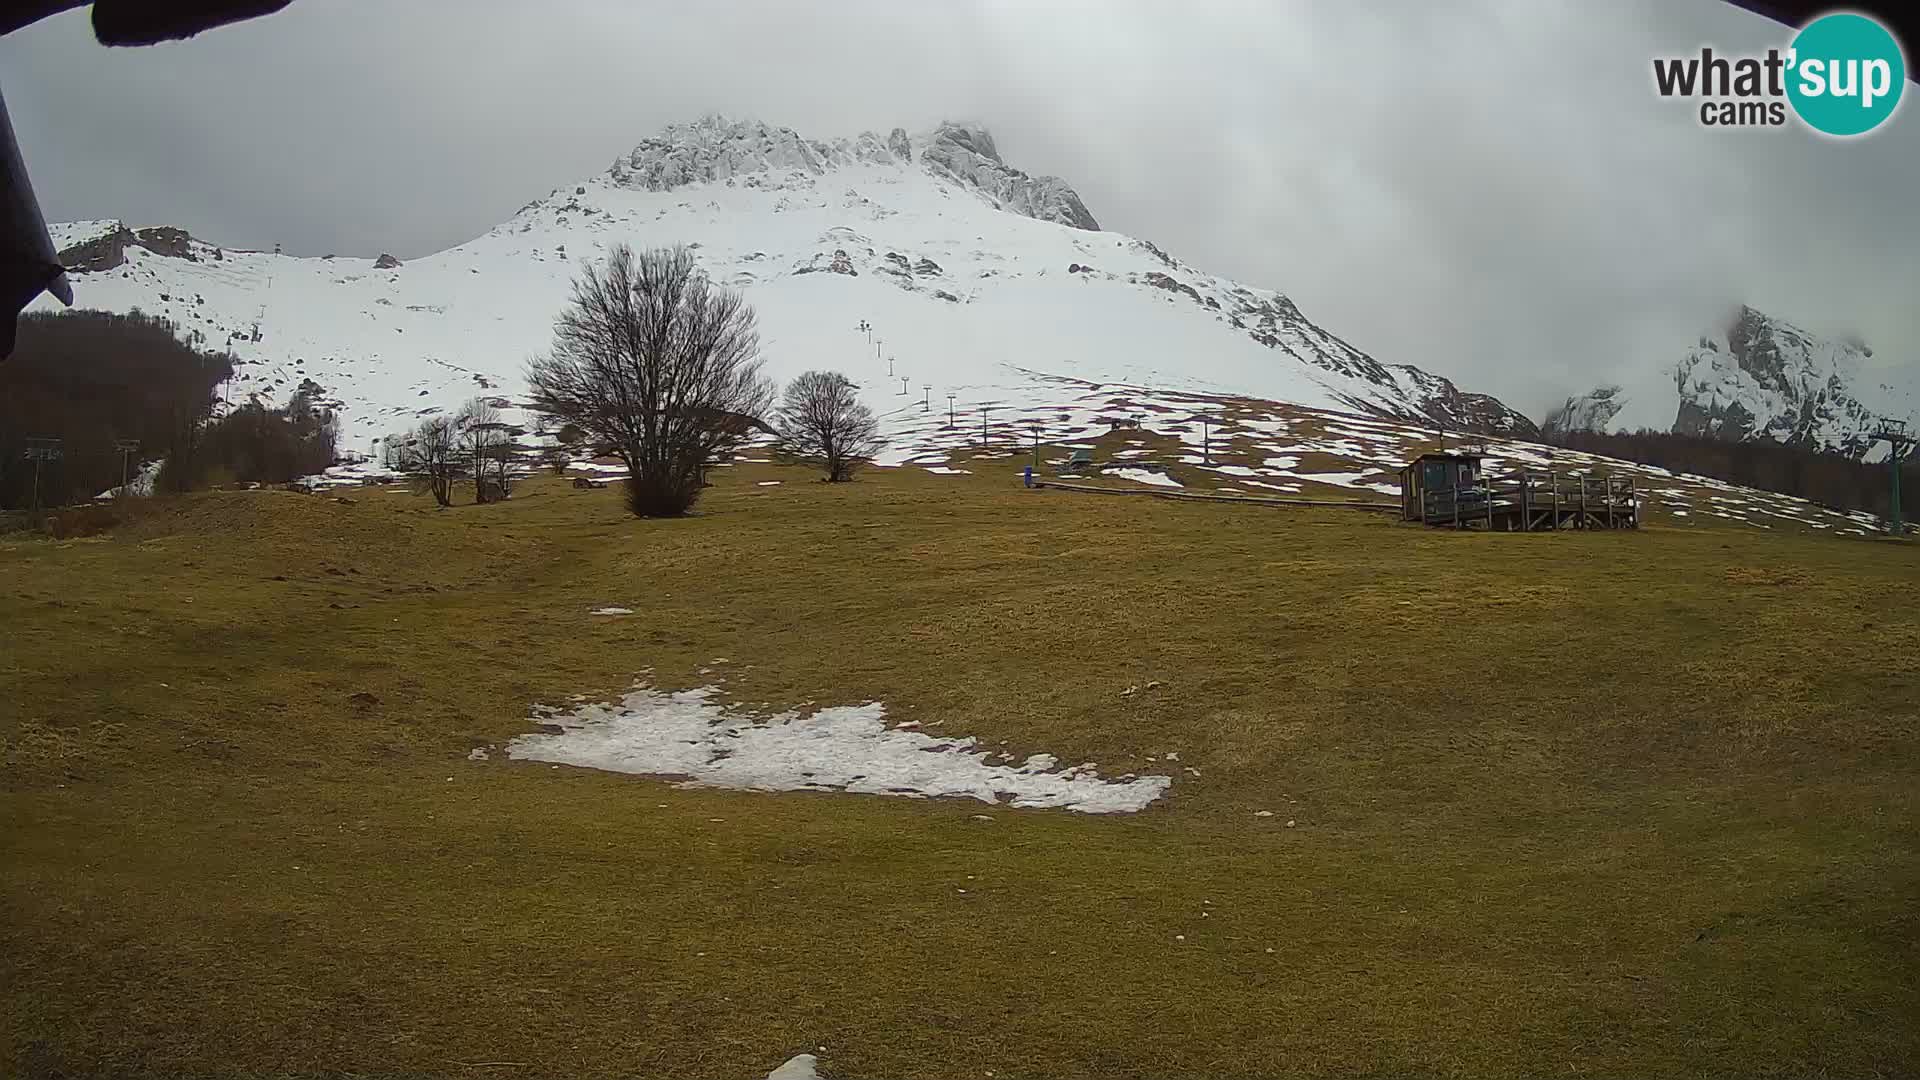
(1436, 478)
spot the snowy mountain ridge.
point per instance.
(716, 148)
(1756, 377)
(977, 279)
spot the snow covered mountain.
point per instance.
(974, 276)
(1757, 377)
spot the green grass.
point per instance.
(1631, 804)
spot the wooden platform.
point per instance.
(1531, 502)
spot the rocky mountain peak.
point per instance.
(1755, 376)
(720, 149)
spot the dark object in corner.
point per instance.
(1798, 13)
(28, 265)
(144, 22)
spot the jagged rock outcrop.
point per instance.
(966, 153)
(1434, 399)
(1592, 411)
(108, 250)
(105, 252)
(386, 262)
(716, 149)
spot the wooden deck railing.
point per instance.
(1527, 501)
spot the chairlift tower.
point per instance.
(1207, 424)
(1900, 442)
(39, 451)
(127, 448)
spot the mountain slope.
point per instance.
(974, 275)
(1758, 377)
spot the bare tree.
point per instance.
(431, 454)
(490, 448)
(821, 419)
(654, 361)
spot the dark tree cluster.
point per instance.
(1827, 478)
(91, 380)
(258, 444)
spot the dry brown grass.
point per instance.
(1595, 803)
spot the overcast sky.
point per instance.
(1488, 189)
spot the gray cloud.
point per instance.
(1490, 189)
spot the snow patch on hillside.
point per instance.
(1143, 476)
(846, 748)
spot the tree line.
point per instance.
(88, 397)
(1824, 477)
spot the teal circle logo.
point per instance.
(1845, 74)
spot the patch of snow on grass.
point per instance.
(611, 611)
(846, 748)
(1348, 480)
(1144, 476)
(945, 471)
(769, 483)
(798, 1067)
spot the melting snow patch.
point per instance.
(945, 471)
(848, 748)
(798, 1067)
(1144, 476)
(611, 611)
(769, 483)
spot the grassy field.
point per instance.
(1632, 804)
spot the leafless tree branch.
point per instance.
(821, 419)
(652, 359)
